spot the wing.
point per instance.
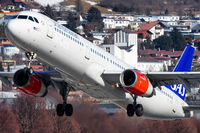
(47, 76)
(192, 108)
(159, 78)
(170, 78)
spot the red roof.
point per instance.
(18, 1)
(147, 25)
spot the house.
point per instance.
(152, 30)
(118, 21)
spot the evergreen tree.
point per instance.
(163, 42)
(49, 12)
(94, 15)
(71, 22)
(166, 11)
(148, 44)
(95, 19)
(79, 7)
(177, 40)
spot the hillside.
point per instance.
(87, 4)
(179, 7)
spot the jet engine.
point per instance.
(136, 83)
(29, 83)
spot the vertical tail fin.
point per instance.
(185, 62)
(184, 65)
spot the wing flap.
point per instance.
(192, 108)
(170, 78)
(111, 77)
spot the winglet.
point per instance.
(185, 62)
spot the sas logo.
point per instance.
(179, 89)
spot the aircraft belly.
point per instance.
(160, 107)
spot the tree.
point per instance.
(94, 15)
(95, 19)
(8, 121)
(79, 7)
(32, 115)
(166, 11)
(71, 22)
(49, 12)
(163, 42)
(177, 40)
(148, 44)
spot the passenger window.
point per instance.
(36, 20)
(31, 18)
(22, 17)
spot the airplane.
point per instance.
(81, 65)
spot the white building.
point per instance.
(150, 18)
(125, 47)
(10, 50)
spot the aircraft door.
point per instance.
(50, 29)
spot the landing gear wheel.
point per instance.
(130, 110)
(68, 110)
(64, 108)
(139, 110)
(60, 110)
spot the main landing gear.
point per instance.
(134, 108)
(64, 108)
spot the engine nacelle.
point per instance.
(29, 84)
(136, 83)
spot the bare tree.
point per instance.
(32, 115)
(8, 121)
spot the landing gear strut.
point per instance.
(134, 108)
(64, 108)
(30, 56)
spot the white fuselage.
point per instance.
(79, 60)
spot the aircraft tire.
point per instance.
(60, 110)
(139, 110)
(68, 110)
(130, 110)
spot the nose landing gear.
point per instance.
(134, 108)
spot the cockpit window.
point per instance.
(22, 17)
(13, 17)
(31, 18)
(36, 20)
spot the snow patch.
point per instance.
(50, 2)
(91, 3)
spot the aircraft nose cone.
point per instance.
(11, 29)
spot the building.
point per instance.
(152, 30)
(161, 18)
(124, 47)
(7, 48)
(118, 21)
